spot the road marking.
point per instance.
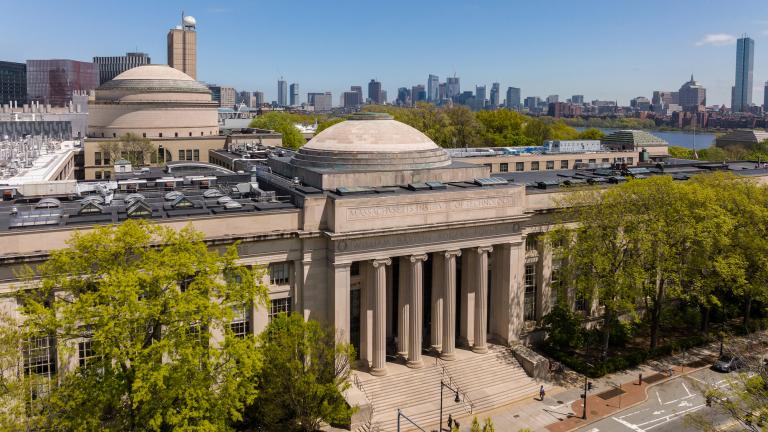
(658, 397)
(594, 430)
(686, 389)
(669, 418)
(632, 426)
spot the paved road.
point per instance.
(666, 407)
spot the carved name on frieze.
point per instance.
(356, 213)
(423, 238)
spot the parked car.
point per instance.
(728, 363)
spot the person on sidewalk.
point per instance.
(541, 393)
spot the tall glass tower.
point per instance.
(742, 93)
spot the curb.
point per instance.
(664, 381)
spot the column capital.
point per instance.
(338, 265)
(484, 249)
(378, 262)
(509, 245)
(420, 257)
(452, 253)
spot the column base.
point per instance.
(480, 349)
(437, 348)
(418, 364)
(451, 356)
(403, 354)
(378, 371)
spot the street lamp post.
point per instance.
(400, 414)
(587, 385)
(456, 399)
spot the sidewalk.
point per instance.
(562, 408)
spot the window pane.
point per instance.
(279, 306)
(278, 273)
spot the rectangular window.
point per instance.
(519, 166)
(40, 356)
(530, 292)
(550, 164)
(107, 175)
(189, 155)
(630, 161)
(504, 167)
(578, 161)
(196, 155)
(555, 283)
(277, 306)
(97, 158)
(535, 166)
(581, 303)
(605, 160)
(530, 242)
(97, 175)
(241, 323)
(85, 352)
(592, 161)
(563, 164)
(181, 155)
(278, 273)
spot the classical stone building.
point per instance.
(371, 227)
(156, 102)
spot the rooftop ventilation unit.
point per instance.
(490, 181)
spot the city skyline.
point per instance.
(536, 60)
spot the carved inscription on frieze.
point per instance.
(357, 213)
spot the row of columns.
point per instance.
(410, 297)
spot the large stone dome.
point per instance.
(150, 79)
(371, 142)
(153, 101)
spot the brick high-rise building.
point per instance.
(182, 46)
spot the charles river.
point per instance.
(676, 138)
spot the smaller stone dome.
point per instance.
(153, 78)
(371, 142)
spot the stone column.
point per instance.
(415, 325)
(507, 296)
(481, 300)
(298, 287)
(366, 312)
(403, 307)
(449, 305)
(379, 355)
(339, 300)
(436, 327)
(516, 308)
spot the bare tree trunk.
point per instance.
(747, 312)
(656, 313)
(607, 323)
(705, 319)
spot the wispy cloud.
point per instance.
(717, 39)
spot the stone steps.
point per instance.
(489, 380)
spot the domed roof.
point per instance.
(368, 142)
(155, 78)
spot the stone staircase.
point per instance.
(485, 381)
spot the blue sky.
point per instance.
(603, 49)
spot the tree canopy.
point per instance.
(147, 310)
(284, 124)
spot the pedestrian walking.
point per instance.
(541, 393)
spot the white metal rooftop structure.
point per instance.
(42, 168)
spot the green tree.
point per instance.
(130, 147)
(563, 328)
(488, 425)
(468, 131)
(305, 372)
(475, 425)
(537, 131)
(284, 124)
(153, 307)
(680, 152)
(591, 134)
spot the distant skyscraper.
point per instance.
(295, 100)
(480, 97)
(351, 99)
(745, 54)
(54, 81)
(577, 99)
(382, 96)
(433, 83)
(692, 95)
(321, 101)
(765, 96)
(110, 67)
(257, 99)
(513, 97)
(359, 91)
(553, 99)
(418, 94)
(282, 92)
(452, 87)
(495, 96)
(243, 97)
(531, 102)
(403, 96)
(13, 83)
(225, 96)
(182, 46)
(374, 91)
